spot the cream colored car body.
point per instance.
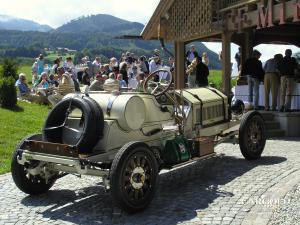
(131, 116)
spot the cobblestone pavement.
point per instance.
(290, 212)
(225, 189)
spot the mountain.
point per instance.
(101, 23)
(14, 23)
(91, 35)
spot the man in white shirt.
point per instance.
(154, 64)
(191, 54)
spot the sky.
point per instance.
(58, 12)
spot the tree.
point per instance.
(9, 69)
(8, 93)
(8, 76)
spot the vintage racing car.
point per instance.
(128, 137)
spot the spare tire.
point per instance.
(98, 118)
(75, 121)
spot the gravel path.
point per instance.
(225, 190)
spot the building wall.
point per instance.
(192, 19)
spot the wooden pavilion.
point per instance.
(244, 22)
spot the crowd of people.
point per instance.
(64, 77)
(128, 72)
(278, 72)
(197, 68)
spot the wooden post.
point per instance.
(179, 65)
(226, 62)
(248, 44)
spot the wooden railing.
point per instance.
(231, 3)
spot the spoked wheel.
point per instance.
(252, 135)
(26, 182)
(133, 177)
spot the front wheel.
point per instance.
(252, 135)
(133, 177)
(33, 185)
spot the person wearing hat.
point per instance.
(111, 84)
(191, 54)
(66, 86)
(154, 64)
(40, 64)
(254, 71)
(97, 84)
(156, 52)
(106, 69)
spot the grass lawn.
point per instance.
(215, 77)
(51, 56)
(15, 125)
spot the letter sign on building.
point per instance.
(265, 15)
(296, 11)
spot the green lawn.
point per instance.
(51, 56)
(215, 77)
(15, 125)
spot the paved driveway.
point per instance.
(223, 190)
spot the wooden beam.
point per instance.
(237, 5)
(150, 30)
(179, 65)
(226, 62)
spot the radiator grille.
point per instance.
(208, 113)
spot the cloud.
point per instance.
(57, 12)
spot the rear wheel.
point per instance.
(133, 177)
(26, 182)
(252, 135)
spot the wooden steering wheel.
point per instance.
(158, 82)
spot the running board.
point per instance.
(191, 161)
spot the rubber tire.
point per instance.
(19, 175)
(117, 167)
(98, 117)
(243, 138)
(92, 113)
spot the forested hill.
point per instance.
(13, 23)
(101, 23)
(93, 35)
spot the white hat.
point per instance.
(21, 75)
